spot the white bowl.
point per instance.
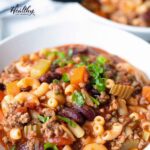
(115, 41)
(143, 32)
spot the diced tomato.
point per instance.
(1, 95)
(30, 105)
(1, 115)
(60, 141)
(21, 109)
(62, 70)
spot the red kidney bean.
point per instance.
(2, 87)
(87, 111)
(49, 77)
(27, 89)
(146, 16)
(91, 90)
(72, 114)
(81, 51)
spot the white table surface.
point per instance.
(44, 9)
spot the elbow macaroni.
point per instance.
(134, 116)
(100, 140)
(98, 129)
(24, 97)
(41, 90)
(109, 83)
(69, 89)
(8, 99)
(21, 68)
(94, 146)
(67, 147)
(28, 81)
(99, 120)
(59, 97)
(52, 102)
(113, 133)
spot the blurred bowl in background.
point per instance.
(143, 32)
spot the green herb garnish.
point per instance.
(60, 55)
(96, 70)
(68, 121)
(100, 84)
(50, 146)
(95, 101)
(102, 60)
(78, 98)
(65, 77)
(61, 60)
(43, 119)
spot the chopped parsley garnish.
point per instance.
(68, 121)
(95, 101)
(96, 71)
(60, 55)
(61, 60)
(65, 77)
(43, 119)
(50, 146)
(78, 98)
(102, 60)
(100, 84)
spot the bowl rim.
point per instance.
(113, 23)
(71, 20)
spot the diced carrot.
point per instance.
(79, 75)
(146, 92)
(1, 95)
(12, 88)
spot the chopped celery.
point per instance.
(146, 135)
(40, 68)
(129, 144)
(29, 129)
